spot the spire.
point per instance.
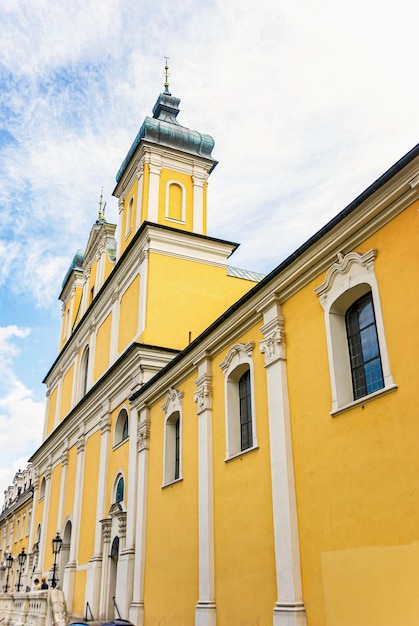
(166, 75)
(102, 207)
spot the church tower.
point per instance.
(163, 178)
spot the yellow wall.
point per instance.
(51, 410)
(184, 296)
(357, 474)
(128, 314)
(244, 544)
(66, 391)
(102, 352)
(79, 607)
(172, 524)
(88, 506)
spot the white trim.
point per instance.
(172, 406)
(236, 362)
(349, 278)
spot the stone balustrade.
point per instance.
(34, 608)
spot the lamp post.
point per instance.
(56, 547)
(21, 559)
(9, 563)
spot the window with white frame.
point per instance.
(129, 217)
(239, 400)
(84, 371)
(175, 202)
(42, 489)
(119, 489)
(357, 351)
(172, 460)
(121, 427)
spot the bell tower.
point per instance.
(163, 178)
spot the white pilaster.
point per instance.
(143, 291)
(198, 204)
(92, 356)
(114, 326)
(289, 608)
(70, 568)
(153, 192)
(44, 524)
(205, 612)
(136, 610)
(58, 402)
(94, 572)
(139, 209)
(63, 484)
(106, 552)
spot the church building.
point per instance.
(223, 448)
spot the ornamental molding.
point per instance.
(105, 424)
(65, 458)
(115, 296)
(173, 402)
(140, 170)
(143, 435)
(121, 205)
(122, 522)
(273, 344)
(143, 256)
(198, 181)
(344, 271)
(235, 354)
(81, 444)
(154, 168)
(48, 473)
(203, 397)
(106, 529)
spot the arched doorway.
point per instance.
(65, 551)
(113, 570)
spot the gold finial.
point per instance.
(102, 206)
(166, 75)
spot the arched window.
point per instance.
(122, 427)
(364, 351)
(42, 489)
(84, 372)
(172, 468)
(129, 216)
(245, 396)
(175, 202)
(119, 493)
(356, 344)
(239, 400)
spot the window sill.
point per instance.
(172, 482)
(120, 443)
(241, 453)
(363, 400)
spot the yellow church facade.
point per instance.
(224, 448)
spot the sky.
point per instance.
(309, 102)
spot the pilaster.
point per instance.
(205, 612)
(136, 610)
(289, 608)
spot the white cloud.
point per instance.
(21, 416)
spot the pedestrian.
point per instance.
(37, 584)
(44, 584)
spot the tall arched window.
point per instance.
(245, 395)
(122, 427)
(364, 351)
(119, 494)
(175, 202)
(84, 372)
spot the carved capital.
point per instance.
(273, 346)
(105, 423)
(81, 444)
(203, 397)
(64, 458)
(106, 529)
(143, 435)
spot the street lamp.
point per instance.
(21, 559)
(9, 563)
(56, 547)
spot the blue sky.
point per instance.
(308, 101)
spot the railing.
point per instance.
(35, 608)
